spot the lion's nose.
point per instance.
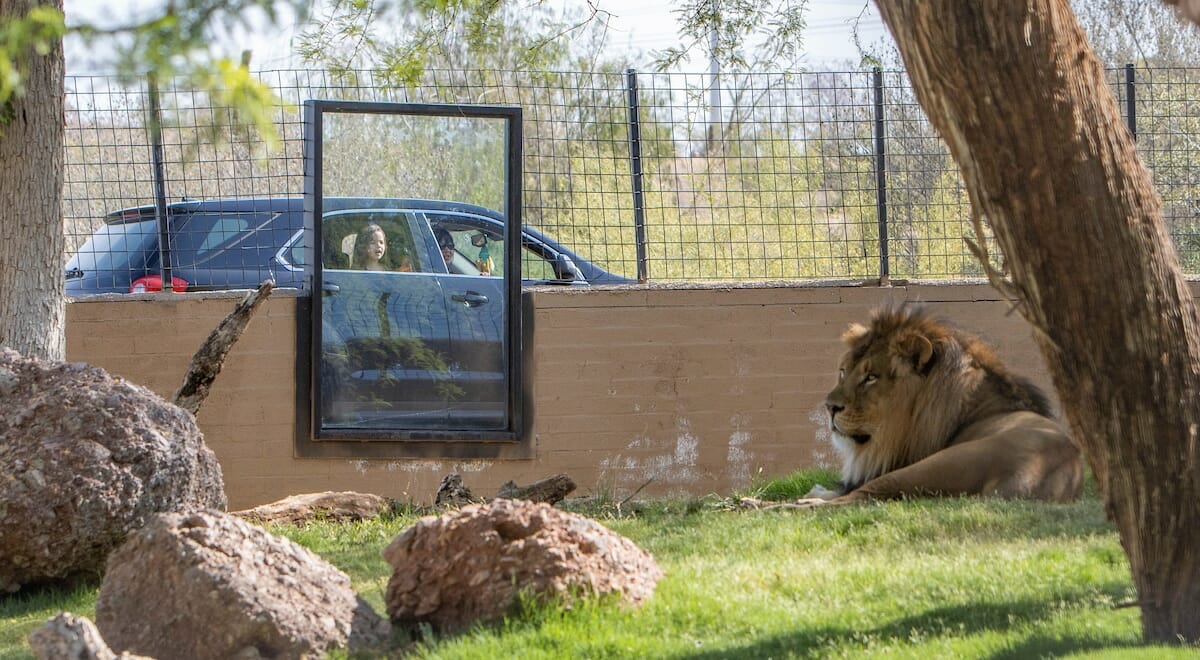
(834, 409)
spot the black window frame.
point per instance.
(512, 441)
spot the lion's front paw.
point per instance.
(820, 492)
(810, 502)
(751, 503)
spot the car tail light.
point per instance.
(152, 283)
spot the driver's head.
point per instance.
(446, 243)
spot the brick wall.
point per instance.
(681, 390)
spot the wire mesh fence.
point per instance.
(666, 177)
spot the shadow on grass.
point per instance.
(958, 621)
(968, 518)
(37, 597)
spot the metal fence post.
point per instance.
(1130, 102)
(160, 185)
(635, 166)
(881, 178)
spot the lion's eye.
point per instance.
(841, 375)
(869, 379)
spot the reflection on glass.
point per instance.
(413, 300)
(459, 159)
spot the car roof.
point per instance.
(296, 204)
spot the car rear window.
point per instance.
(118, 247)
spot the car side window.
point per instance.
(534, 266)
(222, 230)
(371, 240)
(211, 239)
(468, 246)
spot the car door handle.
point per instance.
(330, 288)
(470, 298)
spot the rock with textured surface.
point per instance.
(299, 509)
(209, 585)
(470, 565)
(68, 636)
(86, 458)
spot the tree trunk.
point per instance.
(1022, 102)
(32, 302)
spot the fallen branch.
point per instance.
(300, 509)
(210, 357)
(550, 490)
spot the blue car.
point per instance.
(238, 243)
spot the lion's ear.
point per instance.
(916, 349)
(855, 332)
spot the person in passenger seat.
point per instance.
(371, 245)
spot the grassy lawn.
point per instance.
(921, 579)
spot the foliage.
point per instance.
(723, 32)
(1142, 31)
(21, 37)
(405, 38)
(924, 578)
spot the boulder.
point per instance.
(299, 509)
(470, 565)
(67, 636)
(85, 458)
(210, 585)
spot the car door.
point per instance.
(473, 287)
(385, 355)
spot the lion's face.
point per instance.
(879, 381)
(859, 400)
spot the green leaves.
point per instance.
(248, 102)
(32, 35)
(402, 38)
(739, 34)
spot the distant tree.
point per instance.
(1144, 32)
(759, 35)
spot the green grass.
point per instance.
(925, 578)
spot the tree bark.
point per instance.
(209, 359)
(1022, 102)
(32, 299)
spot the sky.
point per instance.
(644, 25)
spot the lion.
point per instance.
(923, 409)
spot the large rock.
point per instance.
(85, 459)
(209, 585)
(470, 565)
(69, 637)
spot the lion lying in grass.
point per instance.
(922, 409)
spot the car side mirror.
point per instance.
(565, 270)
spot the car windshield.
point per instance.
(114, 246)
